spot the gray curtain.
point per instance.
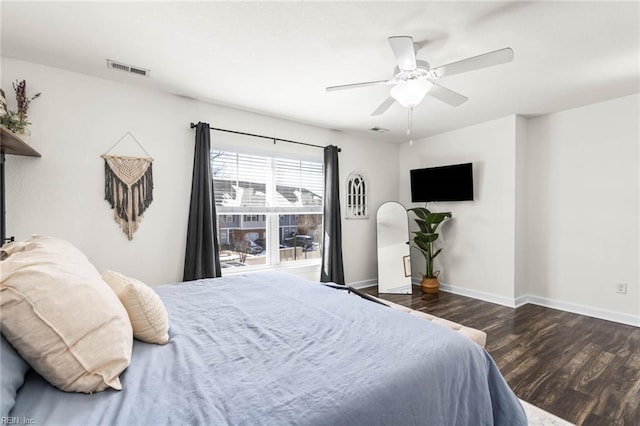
(202, 259)
(332, 268)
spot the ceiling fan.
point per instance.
(413, 79)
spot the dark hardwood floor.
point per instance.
(582, 369)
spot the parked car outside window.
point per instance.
(304, 241)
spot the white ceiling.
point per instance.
(278, 57)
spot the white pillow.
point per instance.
(145, 308)
(62, 318)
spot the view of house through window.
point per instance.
(269, 210)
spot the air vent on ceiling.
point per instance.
(379, 129)
(127, 68)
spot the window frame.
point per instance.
(272, 215)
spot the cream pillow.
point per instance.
(62, 318)
(145, 308)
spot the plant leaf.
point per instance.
(423, 226)
(435, 219)
(426, 237)
(421, 212)
(424, 246)
(436, 253)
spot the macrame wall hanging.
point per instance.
(128, 186)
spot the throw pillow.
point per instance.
(62, 318)
(146, 311)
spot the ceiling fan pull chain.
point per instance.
(410, 129)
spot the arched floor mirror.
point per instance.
(394, 262)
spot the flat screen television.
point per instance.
(445, 183)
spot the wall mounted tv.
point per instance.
(445, 183)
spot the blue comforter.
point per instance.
(274, 349)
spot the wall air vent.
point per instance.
(127, 68)
(378, 129)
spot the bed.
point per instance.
(276, 349)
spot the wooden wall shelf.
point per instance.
(12, 143)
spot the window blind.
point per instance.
(247, 183)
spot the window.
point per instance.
(269, 209)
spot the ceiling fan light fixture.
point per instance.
(410, 93)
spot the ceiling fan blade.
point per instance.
(496, 57)
(356, 85)
(384, 106)
(447, 96)
(404, 52)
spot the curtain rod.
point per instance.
(263, 137)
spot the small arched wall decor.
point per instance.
(357, 196)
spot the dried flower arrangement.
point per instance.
(16, 121)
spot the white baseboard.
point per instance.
(476, 294)
(575, 308)
(364, 284)
(579, 309)
(359, 285)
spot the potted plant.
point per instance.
(16, 121)
(11, 121)
(423, 241)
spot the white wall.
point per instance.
(79, 117)
(556, 214)
(521, 208)
(479, 240)
(582, 184)
(568, 182)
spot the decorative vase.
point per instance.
(430, 285)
